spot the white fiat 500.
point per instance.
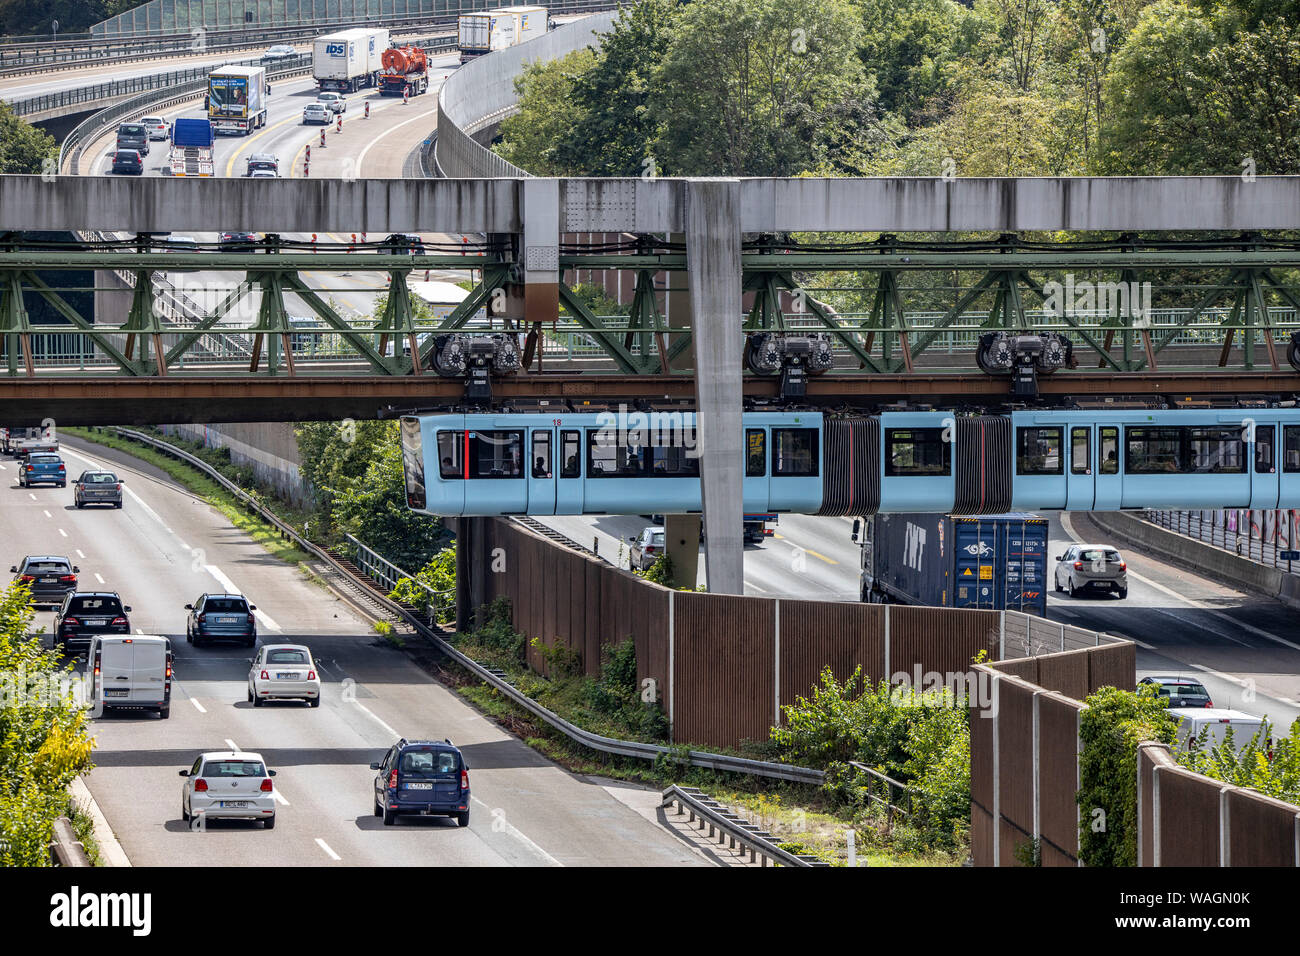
(283, 672)
(228, 784)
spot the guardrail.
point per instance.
(888, 784)
(723, 763)
(725, 824)
(390, 575)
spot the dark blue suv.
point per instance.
(424, 777)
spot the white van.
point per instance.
(1218, 719)
(130, 672)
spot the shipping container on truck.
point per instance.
(349, 60)
(480, 33)
(237, 99)
(994, 562)
(191, 147)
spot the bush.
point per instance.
(493, 630)
(439, 574)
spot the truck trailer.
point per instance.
(994, 562)
(480, 33)
(406, 72)
(237, 99)
(349, 60)
(191, 147)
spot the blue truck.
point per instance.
(994, 562)
(192, 147)
(43, 468)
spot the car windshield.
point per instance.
(289, 656)
(1183, 690)
(99, 478)
(428, 762)
(43, 566)
(44, 459)
(95, 605)
(1099, 554)
(226, 604)
(151, 121)
(234, 768)
(130, 130)
(127, 155)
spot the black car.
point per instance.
(128, 161)
(221, 617)
(236, 240)
(49, 577)
(262, 162)
(401, 245)
(422, 777)
(1180, 691)
(84, 614)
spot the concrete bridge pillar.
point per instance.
(713, 269)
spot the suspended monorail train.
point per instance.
(816, 463)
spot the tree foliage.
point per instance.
(23, 147)
(532, 137)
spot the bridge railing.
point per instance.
(442, 604)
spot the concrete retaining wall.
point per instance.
(1214, 562)
(269, 448)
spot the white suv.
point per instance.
(229, 784)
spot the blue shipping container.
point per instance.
(993, 562)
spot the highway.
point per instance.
(162, 550)
(1243, 647)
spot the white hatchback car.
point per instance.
(334, 101)
(229, 784)
(283, 672)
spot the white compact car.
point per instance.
(316, 113)
(333, 101)
(283, 672)
(228, 784)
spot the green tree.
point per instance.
(534, 137)
(333, 454)
(372, 508)
(746, 84)
(910, 48)
(23, 147)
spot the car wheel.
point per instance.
(462, 819)
(269, 823)
(390, 818)
(117, 504)
(1123, 593)
(251, 698)
(185, 814)
(1056, 584)
(313, 702)
(165, 711)
(78, 504)
(189, 636)
(1074, 592)
(252, 641)
(257, 701)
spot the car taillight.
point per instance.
(31, 467)
(200, 785)
(311, 675)
(265, 676)
(61, 468)
(464, 780)
(1123, 566)
(119, 486)
(392, 780)
(68, 578)
(71, 620)
(28, 578)
(649, 549)
(119, 621)
(266, 785)
(202, 618)
(1209, 703)
(1078, 565)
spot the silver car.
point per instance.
(97, 488)
(283, 672)
(229, 784)
(646, 548)
(1091, 567)
(317, 113)
(333, 101)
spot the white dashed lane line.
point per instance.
(232, 588)
(326, 847)
(48, 515)
(99, 577)
(199, 707)
(62, 532)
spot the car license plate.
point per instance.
(49, 580)
(419, 786)
(283, 676)
(227, 620)
(234, 804)
(95, 622)
(115, 693)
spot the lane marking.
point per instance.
(201, 709)
(48, 515)
(234, 747)
(822, 556)
(510, 828)
(377, 719)
(361, 158)
(1200, 605)
(279, 797)
(326, 847)
(230, 587)
(80, 555)
(134, 497)
(99, 578)
(32, 496)
(62, 532)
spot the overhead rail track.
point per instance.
(723, 763)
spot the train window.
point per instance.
(794, 452)
(1152, 450)
(413, 462)
(1038, 451)
(755, 453)
(917, 451)
(674, 461)
(449, 448)
(571, 452)
(1264, 440)
(1080, 451)
(496, 454)
(1216, 450)
(1108, 450)
(1291, 449)
(608, 458)
(541, 454)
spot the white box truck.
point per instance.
(480, 33)
(1192, 720)
(349, 60)
(237, 99)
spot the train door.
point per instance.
(1108, 488)
(541, 472)
(755, 482)
(568, 466)
(1041, 450)
(497, 469)
(1081, 468)
(1289, 470)
(1264, 480)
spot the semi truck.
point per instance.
(237, 99)
(191, 147)
(406, 71)
(349, 60)
(995, 562)
(480, 33)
